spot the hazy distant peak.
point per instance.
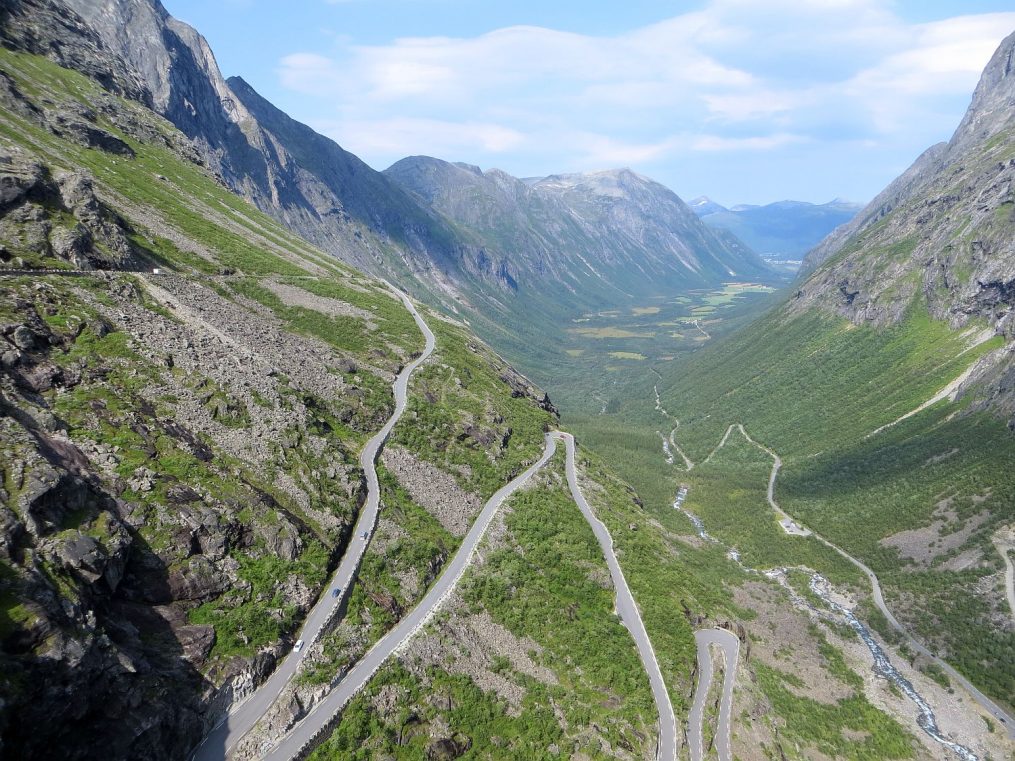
(845, 203)
(784, 229)
(607, 182)
(468, 167)
(703, 205)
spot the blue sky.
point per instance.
(740, 100)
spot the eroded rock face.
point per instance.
(46, 28)
(69, 644)
(48, 498)
(21, 178)
(24, 338)
(335, 200)
(447, 748)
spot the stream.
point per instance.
(823, 589)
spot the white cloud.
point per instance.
(427, 136)
(756, 104)
(735, 77)
(944, 56)
(753, 143)
(309, 73)
(604, 152)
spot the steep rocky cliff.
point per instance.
(940, 234)
(886, 385)
(576, 241)
(301, 178)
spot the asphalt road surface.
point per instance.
(224, 737)
(627, 609)
(731, 649)
(319, 718)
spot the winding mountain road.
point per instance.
(227, 734)
(730, 645)
(320, 718)
(791, 526)
(627, 609)
(1005, 546)
(224, 737)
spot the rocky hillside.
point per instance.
(178, 451)
(886, 384)
(780, 230)
(304, 180)
(608, 234)
(940, 234)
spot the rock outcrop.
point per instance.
(47, 28)
(37, 211)
(540, 255)
(178, 450)
(286, 169)
(153, 545)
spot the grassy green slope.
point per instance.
(157, 185)
(812, 388)
(804, 383)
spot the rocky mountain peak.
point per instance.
(176, 62)
(993, 105)
(469, 167)
(604, 181)
(988, 127)
(613, 232)
(703, 205)
(47, 28)
(939, 238)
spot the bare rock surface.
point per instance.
(469, 644)
(944, 534)
(294, 296)
(434, 489)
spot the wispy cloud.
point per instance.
(734, 77)
(428, 136)
(751, 143)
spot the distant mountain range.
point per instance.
(181, 450)
(572, 241)
(613, 230)
(784, 230)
